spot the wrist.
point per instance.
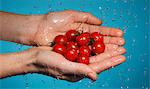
(28, 32)
(19, 28)
(18, 63)
(29, 61)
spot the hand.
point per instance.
(49, 26)
(55, 65)
(57, 23)
(41, 29)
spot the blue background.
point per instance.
(129, 15)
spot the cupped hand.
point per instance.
(57, 23)
(53, 64)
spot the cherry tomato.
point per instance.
(97, 36)
(71, 35)
(71, 45)
(84, 50)
(83, 39)
(98, 47)
(59, 48)
(83, 59)
(60, 39)
(87, 33)
(71, 54)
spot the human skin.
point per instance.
(40, 30)
(44, 61)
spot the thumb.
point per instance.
(84, 17)
(86, 71)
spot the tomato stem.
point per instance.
(52, 44)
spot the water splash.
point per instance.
(26, 81)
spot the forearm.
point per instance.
(16, 64)
(18, 28)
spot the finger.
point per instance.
(106, 30)
(109, 47)
(108, 54)
(82, 69)
(108, 63)
(107, 39)
(45, 48)
(84, 17)
(111, 31)
(72, 78)
(114, 40)
(103, 30)
(79, 70)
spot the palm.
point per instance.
(55, 24)
(59, 22)
(58, 67)
(61, 68)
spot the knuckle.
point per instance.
(88, 14)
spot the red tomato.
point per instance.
(98, 47)
(84, 50)
(97, 36)
(71, 35)
(83, 59)
(71, 54)
(60, 39)
(59, 48)
(87, 33)
(71, 45)
(83, 39)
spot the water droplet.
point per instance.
(146, 23)
(129, 69)
(57, 78)
(146, 88)
(142, 86)
(100, 8)
(145, 72)
(127, 87)
(136, 26)
(128, 79)
(125, 29)
(146, 36)
(113, 19)
(115, 1)
(103, 85)
(145, 8)
(80, 81)
(125, 1)
(26, 82)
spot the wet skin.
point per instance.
(40, 30)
